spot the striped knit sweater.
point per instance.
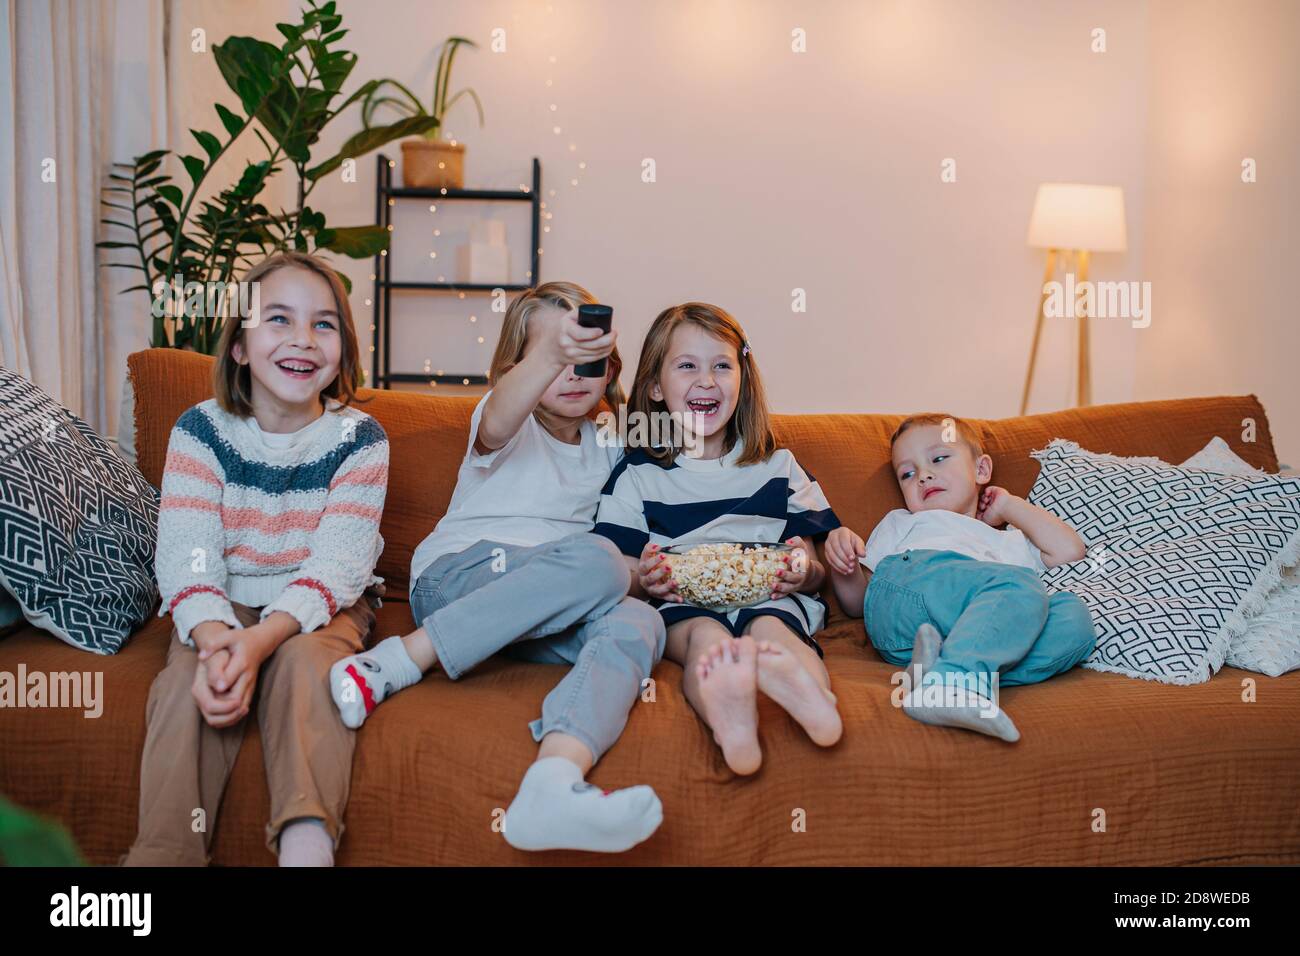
(293, 528)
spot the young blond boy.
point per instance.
(950, 596)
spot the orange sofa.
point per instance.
(1183, 775)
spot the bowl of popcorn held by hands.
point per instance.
(729, 575)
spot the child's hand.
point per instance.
(994, 505)
(843, 549)
(221, 710)
(205, 633)
(246, 648)
(571, 344)
(655, 575)
(214, 666)
(792, 577)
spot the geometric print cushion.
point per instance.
(11, 614)
(77, 523)
(1271, 642)
(1177, 558)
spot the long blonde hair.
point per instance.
(565, 296)
(232, 382)
(751, 422)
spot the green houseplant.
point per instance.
(428, 160)
(287, 96)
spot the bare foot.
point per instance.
(786, 681)
(729, 700)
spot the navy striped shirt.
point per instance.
(695, 500)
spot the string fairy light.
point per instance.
(552, 107)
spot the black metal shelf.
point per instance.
(380, 374)
(493, 195)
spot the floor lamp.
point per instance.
(1073, 220)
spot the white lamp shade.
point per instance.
(1078, 216)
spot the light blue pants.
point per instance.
(562, 602)
(995, 618)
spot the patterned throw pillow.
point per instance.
(11, 613)
(1271, 641)
(1176, 557)
(77, 523)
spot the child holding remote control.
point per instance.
(737, 486)
(951, 596)
(513, 567)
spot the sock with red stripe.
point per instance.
(555, 809)
(358, 683)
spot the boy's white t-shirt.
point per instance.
(901, 530)
(534, 488)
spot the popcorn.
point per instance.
(724, 577)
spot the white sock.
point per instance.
(555, 809)
(358, 683)
(306, 842)
(959, 707)
(925, 651)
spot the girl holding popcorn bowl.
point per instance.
(720, 539)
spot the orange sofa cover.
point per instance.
(1184, 775)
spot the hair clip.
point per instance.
(746, 350)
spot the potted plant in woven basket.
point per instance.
(428, 160)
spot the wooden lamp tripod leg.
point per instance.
(1085, 349)
(1038, 328)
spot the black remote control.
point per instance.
(593, 317)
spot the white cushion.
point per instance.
(1271, 642)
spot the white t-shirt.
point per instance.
(534, 488)
(275, 439)
(901, 530)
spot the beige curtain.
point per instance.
(81, 83)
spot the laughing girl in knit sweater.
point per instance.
(268, 534)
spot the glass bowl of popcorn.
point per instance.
(726, 575)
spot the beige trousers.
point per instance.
(308, 751)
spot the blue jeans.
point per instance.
(995, 618)
(561, 602)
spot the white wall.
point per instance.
(778, 170)
(1221, 252)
